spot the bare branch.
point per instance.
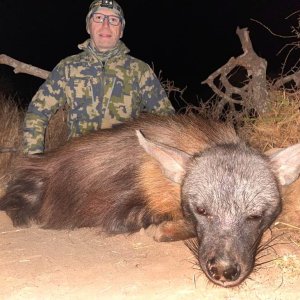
(20, 67)
(293, 77)
(253, 94)
(292, 46)
(273, 33)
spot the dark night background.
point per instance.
(186, 40)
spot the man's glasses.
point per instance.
(112, 20)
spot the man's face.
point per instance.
(105, 36)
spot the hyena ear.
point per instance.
(286, 163)
(172, 161)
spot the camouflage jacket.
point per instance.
(97, 95)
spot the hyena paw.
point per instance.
(161, 233)
(157, 234)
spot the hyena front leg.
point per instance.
(170, 231)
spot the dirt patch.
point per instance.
(83, 264)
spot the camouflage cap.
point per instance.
(96, 5)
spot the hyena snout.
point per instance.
(227, 264)
(223, 270)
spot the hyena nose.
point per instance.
(223, 271)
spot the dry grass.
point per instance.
(11, 119)
(279, 126)
(11, 122)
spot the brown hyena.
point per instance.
(181, 175)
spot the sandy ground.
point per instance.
(83, 264)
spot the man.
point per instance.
(102, 86)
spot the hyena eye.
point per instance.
(254, 217)
(201, 211)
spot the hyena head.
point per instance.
(231, 195)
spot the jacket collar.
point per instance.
(119, 50)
